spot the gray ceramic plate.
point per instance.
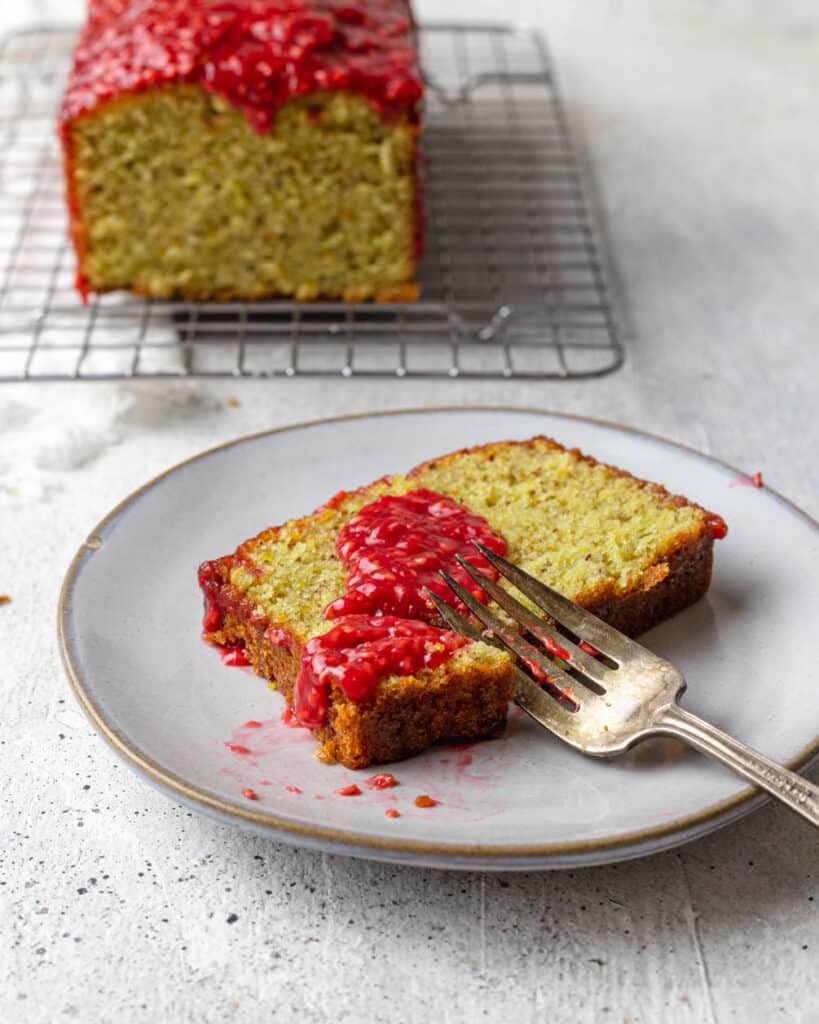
(130, 623)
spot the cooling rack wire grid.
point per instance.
(513, 281)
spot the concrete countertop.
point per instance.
(118, 905)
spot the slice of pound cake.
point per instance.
(332, 608)
(245, 149)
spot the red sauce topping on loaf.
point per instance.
(256, 54)
(717, 526)
(395, 548)
(360, 651)
(234, 655)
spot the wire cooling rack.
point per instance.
(512, 283)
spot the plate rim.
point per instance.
(607, 848)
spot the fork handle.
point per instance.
(794, 791)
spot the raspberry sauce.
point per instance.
(359, 652)
(351, 790)
(395, 548)
(256, 55)
(383, 780)
(231, 655)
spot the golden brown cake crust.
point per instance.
(685, 580)
(398, 294)
(416, 711)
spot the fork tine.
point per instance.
(545, 671)
(544, 707)
(556, 644)
(454, 619)
(583, 624)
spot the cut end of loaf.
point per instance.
(467, 699)
(173, 194)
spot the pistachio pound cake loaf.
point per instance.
(243, 149)
(332, 608)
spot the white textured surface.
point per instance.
(115, 904)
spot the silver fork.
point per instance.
(627, 694)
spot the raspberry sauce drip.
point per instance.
(255, 54)
(360, 651)
(395, 548)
